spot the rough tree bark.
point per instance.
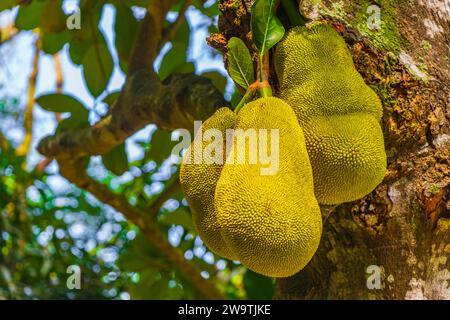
(403, 227)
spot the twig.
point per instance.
(4, 143)
(24, 147)
(146, 45)
(8, 33)
(59, 79)
(44, 163)
(169, 32)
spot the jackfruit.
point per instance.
(338, 112)
(272, 222)
(198, 179)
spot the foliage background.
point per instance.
(48, 224)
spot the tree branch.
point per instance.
(174, 104)
(4, 143)
(146, 45)
(169, 32)
(75, 173)
(24, 147)
(44, 163)
(59, 79)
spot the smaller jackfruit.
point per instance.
(338, 112)
(272, 223)
(198, 180)
(348, 157)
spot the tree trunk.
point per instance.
(400, 232)
(394, 243)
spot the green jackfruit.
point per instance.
(271, 222)
(338, 112)
(199, 181)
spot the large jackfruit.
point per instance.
(271, 222)
(198, 178)
(338, 112)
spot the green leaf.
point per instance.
(174, 61)
(258, 287)
(210, 11)
(218, 80)
(240, 61)
(161, 145)
(57, 102)
(72, 123)
(53, 19)
(8, 4)
(111, 98)
(266, 27)
(125, 28)
(180, 217)
(183, 34)
(236, 97)
(29, 16)
(187, 67)
(97, 67)
(81, 40)
(132, 3)
(54, 42)
(116, 160)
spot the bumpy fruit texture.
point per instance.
(199, 181)
(271, 222)
(338, 112)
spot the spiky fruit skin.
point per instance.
(338, 112)
(199, 180)
(271, 222)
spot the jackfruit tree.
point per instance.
(357, 207)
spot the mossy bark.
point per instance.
(402, 229)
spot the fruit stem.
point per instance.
(245, 99)
(261, 68)
(265, 90)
